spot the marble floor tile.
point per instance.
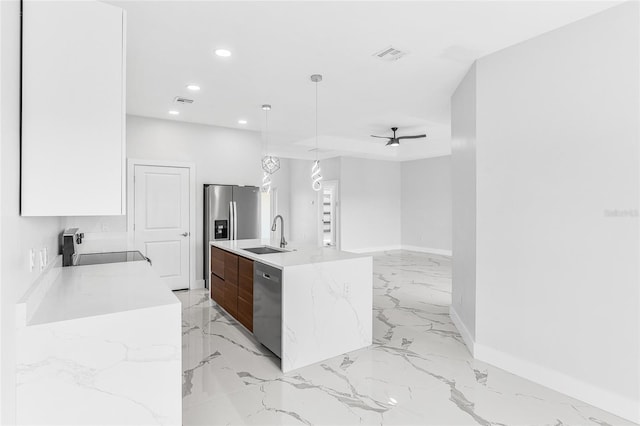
(417, 372)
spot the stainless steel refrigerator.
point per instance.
(230, 213)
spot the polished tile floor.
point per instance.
(418, 371)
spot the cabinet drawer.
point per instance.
(231, 299)
(245, 278)
(245, 312)
(231, 268)
(217, 262)
(217, 289)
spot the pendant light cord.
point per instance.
(266, 131)
(316, 120)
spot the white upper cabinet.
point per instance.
(73, 109)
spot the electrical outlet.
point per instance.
(42, 261)
(32, 260)
(104, 227)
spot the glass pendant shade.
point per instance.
(316, 176)
(266, 182)
(270, 164)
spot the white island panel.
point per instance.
(99, 345)
(122, 368)
(326, 310)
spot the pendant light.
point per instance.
(266, 182)
(316, 171)
(270, 164)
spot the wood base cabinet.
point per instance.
(245, 292)
(217, 275)
(232, 285)
(230, 303)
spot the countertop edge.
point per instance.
(269, 259)
(247, 254)
(102, 315)
(74, 286)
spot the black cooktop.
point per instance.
(109, 257)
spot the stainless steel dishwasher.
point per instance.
(267, 306)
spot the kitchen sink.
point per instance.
(264, 250)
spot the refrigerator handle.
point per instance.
(231, 221)
(235, 221)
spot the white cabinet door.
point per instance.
(161, 221)
(73, 109)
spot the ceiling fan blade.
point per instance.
(383, 137)
(412, 137)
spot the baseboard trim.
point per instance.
(442, 252)
(464, 331)
(374, 249)
(575, 388)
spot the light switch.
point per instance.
(32, 260)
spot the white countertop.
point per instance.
(301, 256)
(92, 290)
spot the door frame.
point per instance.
(131, 164)
(319, 201)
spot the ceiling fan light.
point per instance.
(394, 142)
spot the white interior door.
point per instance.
(161, 221)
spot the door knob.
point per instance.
(185, 234)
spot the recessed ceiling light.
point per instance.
(223, 52)
(174, 112)
(242, 121)
(193, 87)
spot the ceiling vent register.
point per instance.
(182, 100)
(389, 54)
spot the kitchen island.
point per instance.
(99, 344)
(326, 304)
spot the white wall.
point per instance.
(426, 204)
(369, 206)
(463, 179)
(557, 153)
(304, 214)
(304, 211)
(370, 197)
(17, 234)
(221, 155)
(370, 190)
(281, 184)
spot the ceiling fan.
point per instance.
(395, 141)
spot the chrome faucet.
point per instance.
(283, 242)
